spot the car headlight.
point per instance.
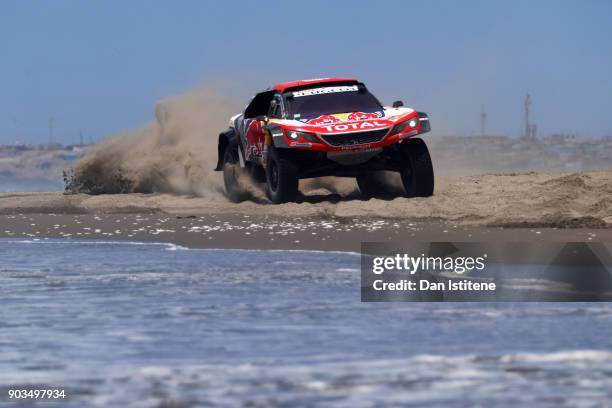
(295, 135)
(410, 124)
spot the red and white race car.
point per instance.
(324, 127)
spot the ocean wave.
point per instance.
(438, 380)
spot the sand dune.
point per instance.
(512, 200)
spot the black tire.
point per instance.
(231, 172)
(417, 175)
(372, 184)
(281, 178)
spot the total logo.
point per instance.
(374, 124)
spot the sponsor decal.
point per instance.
(323, 119)
(363, 116)
(362, 148)
(352, 150)
(325, 90)
(355, 126)
(300, 144)
(344, 117)
(254, 150)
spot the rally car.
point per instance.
(324, 127)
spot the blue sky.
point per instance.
(101, 65)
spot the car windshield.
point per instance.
(311, 103)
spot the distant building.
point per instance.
(561, 137)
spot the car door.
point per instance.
(254, 135)
(254, 139)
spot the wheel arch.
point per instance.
(226, 138)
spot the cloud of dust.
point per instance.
(175, 154)
(329, 185)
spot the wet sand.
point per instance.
(269, 232)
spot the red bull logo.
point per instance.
(341, 127)
(344, 117)
(362, 116)
(321, 120)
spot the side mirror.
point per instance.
(397, 104)
(262, 118)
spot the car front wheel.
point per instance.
(417, 175)
(281, 178)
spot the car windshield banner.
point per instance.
(325, 90)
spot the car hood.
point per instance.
(346, 122)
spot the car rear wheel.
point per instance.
(231, 176)
(417, 175)
(281, 178)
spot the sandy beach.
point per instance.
(558, 207)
